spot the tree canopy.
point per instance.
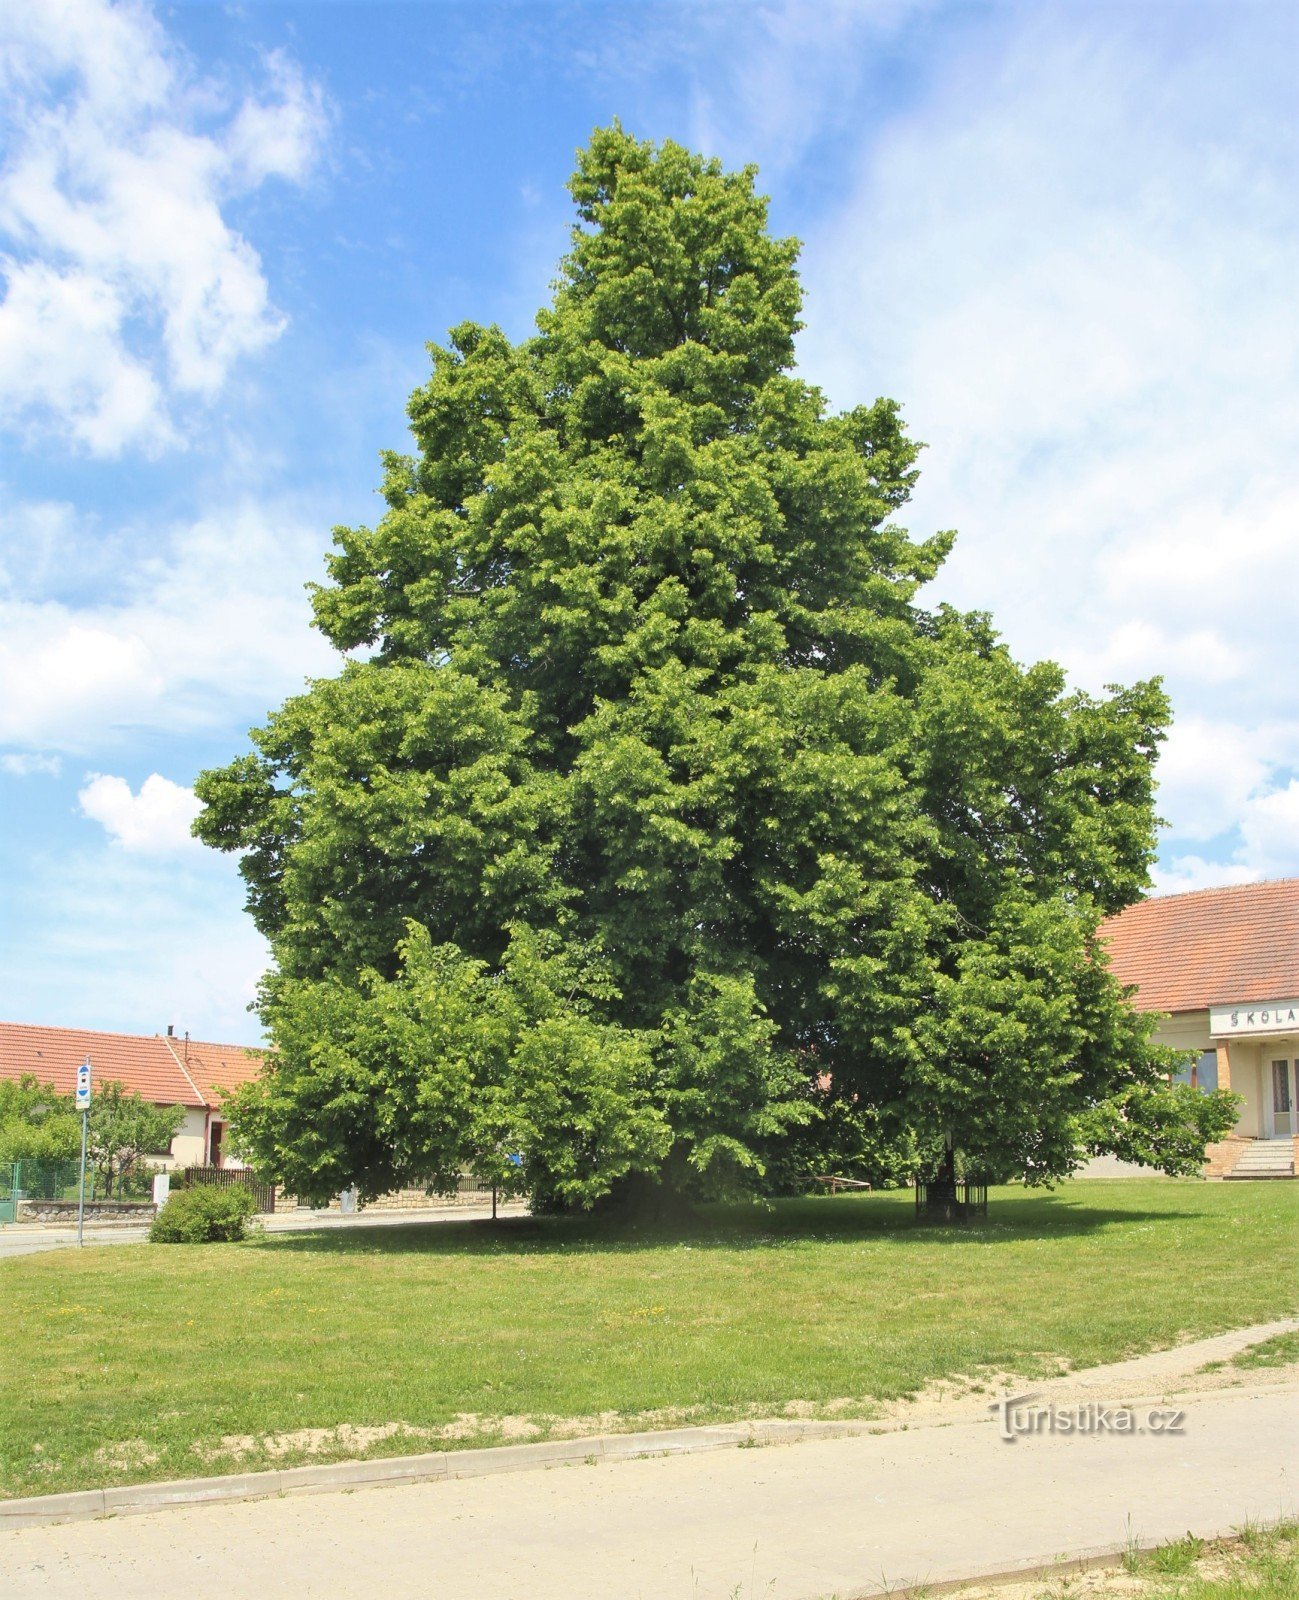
(124, 1128)
(37, 1123)
(654, 825)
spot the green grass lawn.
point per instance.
(132, 1362)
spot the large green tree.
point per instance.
(654, 826)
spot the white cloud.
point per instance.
(155, 821)
(1072, 258)
(127, 289)
(1185, 873)
(1211, 771)
(768, 89)
(280, 137)
(213, 629)
(24, 765)
(1140, 648)
(1271, 831)
(63, 679)
(108, 938)
(1268, 830)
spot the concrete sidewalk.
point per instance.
(841, 1517)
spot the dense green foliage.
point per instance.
(124, 1129)
(36, 1122)
(204, 1214)
(657, 824)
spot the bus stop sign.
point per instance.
(83, 1085)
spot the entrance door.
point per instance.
(1282, 1103)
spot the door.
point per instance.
(1282, 1102)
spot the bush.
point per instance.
(204, 1215)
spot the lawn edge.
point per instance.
(133, 1499)
(1093, 1559)
(84, 1505)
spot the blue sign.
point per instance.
(83, 1085)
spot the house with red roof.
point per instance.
(159, 1067)
(1221, 968)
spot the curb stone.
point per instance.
(1098, 1558)
(133, 1499)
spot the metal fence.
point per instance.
(227, 1178)
(39, 1180)
(947, 1200)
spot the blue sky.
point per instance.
(1063, 236)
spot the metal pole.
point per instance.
(81, 1185)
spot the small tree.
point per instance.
(37, 1123)
(124, 1128)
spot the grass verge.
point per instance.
(1258, 1564)
(132, 1363)
(1283, 1351)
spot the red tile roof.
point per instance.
(153, 1066)
(1186, 952)
(214, 1067)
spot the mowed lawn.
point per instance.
(129, 1363)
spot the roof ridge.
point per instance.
(110, 1033)
(170, 1043)
(1219, 888)
(90, 1033)
(217, 1044)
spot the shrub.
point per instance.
(204, 1215)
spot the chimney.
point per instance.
(186, 1046)
(171, 1030)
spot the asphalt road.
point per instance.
(22, 1240)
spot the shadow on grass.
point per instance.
(885, 1217)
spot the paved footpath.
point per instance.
(836, 1517)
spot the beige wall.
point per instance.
(191, 1147)
(1251, 1075)
(1184, 1030)
(1250, 1060)
(187, 1148)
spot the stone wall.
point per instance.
(65, 1211)
(398, 1200)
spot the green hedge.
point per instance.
(204, 1215)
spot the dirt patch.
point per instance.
(347, 1437)
(127, 1455)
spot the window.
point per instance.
(1200, 1074)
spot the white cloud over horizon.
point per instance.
(1072, 259)
(215, 625)
(150, 940)
(127, 289)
